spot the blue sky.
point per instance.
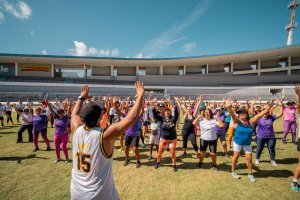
(143, 28)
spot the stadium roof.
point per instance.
(238, 57)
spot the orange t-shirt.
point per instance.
(103, 121)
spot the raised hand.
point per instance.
(297, 89)
(228, 103)
(85, 91)
(139, 86)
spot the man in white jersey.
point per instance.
(92, 176)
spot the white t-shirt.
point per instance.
(28, 117)
(2, 108)
(111, 111)
(20, 106)
(8, 108)
(207, 128)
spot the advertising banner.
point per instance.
(7, 69)
(34, 68)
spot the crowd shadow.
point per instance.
(19, 159)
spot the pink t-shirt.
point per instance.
(289, 113)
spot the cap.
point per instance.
(90, 112)
(242, 111)
(218, 108)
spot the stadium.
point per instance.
(239, 74)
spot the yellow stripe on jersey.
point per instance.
(101, 146)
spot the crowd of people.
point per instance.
(90, 121)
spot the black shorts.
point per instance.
(134, 141)
(145, 123)
(1, 118)
(211, 143)
(298, 146)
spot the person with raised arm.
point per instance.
(294, 184)
(61, 120)
(92, 176)
(207, 123)
(26, 121)
(243, 135)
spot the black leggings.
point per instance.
(226, 126)
(186, 135)
(29, 130)
(141, 136)
(111, 119)
(9, 117)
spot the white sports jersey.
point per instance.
(92, 176)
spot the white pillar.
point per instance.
(289, 71)
(206, 68)
(161, 70)
(184, 69)
(52, 70)
(84, 71)
(16, 69)
(137, 70)
(258, 68)
(111, 70)
(231, 67)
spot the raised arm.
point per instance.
(281, 108)
(228, 105)
(117, 129)
(254, 119)
(17, 111)
(199, 102)
(221, 123)
(75, 117)
(50, 107)
(297, 91)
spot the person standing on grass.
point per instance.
(289, 122)
(265, 134)
(221, 132)
(8, 109)
(19, 107)
(61, 120)
(40, 126)
(2, 110)
(26, 121)
(243, 136)
(294, 184)
(92, 176)
(154, 139)
(188, 129)
(208, 138)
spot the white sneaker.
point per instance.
(56, 161)
(256, 161)
(234, 175)
(273, 162)
(251, 178)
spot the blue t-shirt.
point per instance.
(228, 118)
(243, 134)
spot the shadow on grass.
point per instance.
(19, 159)
(287, 161)
(7, 132)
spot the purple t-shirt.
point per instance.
(61, 125)
(133, 130)
(265, 127)
(218, 129)
(39, 122)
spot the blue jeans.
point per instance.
(260, 142)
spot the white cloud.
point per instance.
(32, 33)
(173, 35)
(2, 17)
(141, 55)
(20, 9)
(80, 49)
(189, 46)
(44, 52)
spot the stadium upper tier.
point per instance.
(279, 65)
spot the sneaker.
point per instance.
(295, 143)
(273, 162)
(56, 161)
(19, 141)
(256, 162)
(126, 162)
(215, 169)
(197, 156)
(199, 165)
(251, 178)
(138, 164)
(284, 141)
(144, 145)
(67, 161)
(48, 149)
(234, 175)
(175, 168)
(295, 186)
(36, 149)
(157, 165)
(150, 158)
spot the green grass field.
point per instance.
(28, 175)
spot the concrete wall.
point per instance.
(171, 70)
(242, 66)
(295, 61)
(101, 71)
(152, 70)
(215, 68)
(269, 64)
(193, 70)
(126, 71)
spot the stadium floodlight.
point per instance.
(292, 24)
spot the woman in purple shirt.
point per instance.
(265, 134)
(39, 121)
(61, 121)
